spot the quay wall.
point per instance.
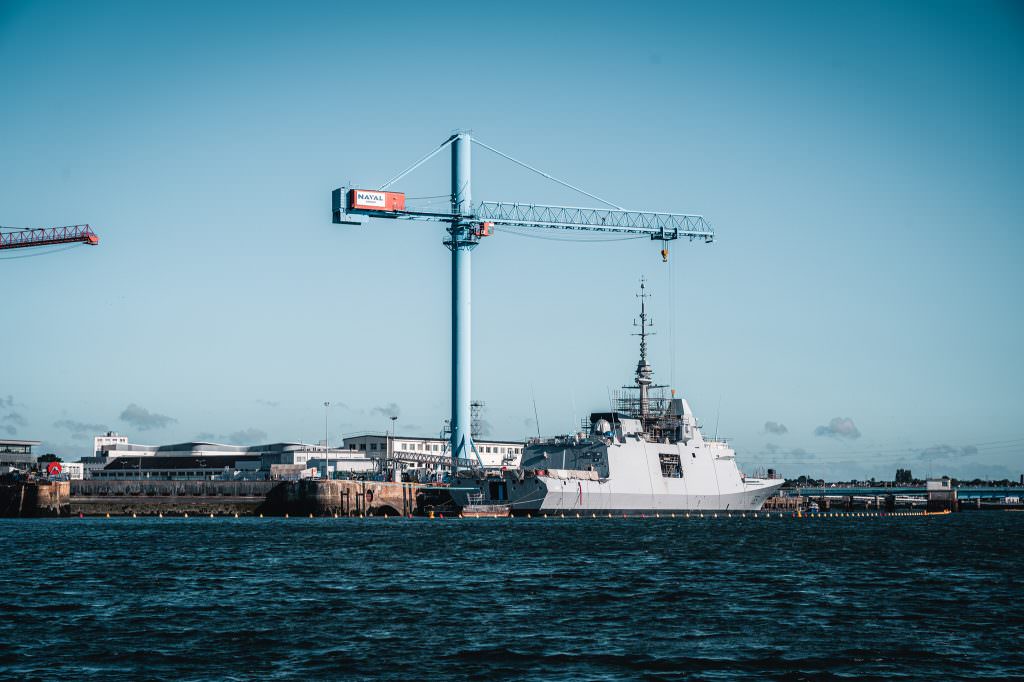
(344, 498)
(35, 499)
(221, 498)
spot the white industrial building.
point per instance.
(73, 471)
(493, 453)
(119, 459)
(109, 438)
(17, 454)
(413, 457)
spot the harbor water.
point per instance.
(538, 599)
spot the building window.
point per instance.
(373, 446)
(362, 446)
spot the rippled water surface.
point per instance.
(410, 599)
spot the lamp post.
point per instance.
(394, 418)
(327, 436)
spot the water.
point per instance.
(409, 599)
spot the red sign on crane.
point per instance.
(54, 468)
(374, 200)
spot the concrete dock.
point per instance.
(220, 498)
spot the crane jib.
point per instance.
(659, 226)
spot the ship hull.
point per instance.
(544, 494)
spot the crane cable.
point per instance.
(672, 322)
(577, 239)
(546, 175)
(419, 163)
(41, 253)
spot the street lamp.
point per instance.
(394, 418)
(327, 437)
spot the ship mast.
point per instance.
(644, 371)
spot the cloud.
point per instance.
(776, 428)
(792, 455)
(947, 452)
(389, 410)
(247, 436)
(80, 429)
(143, 419)
(268, 403)
(839, 427)
(14, 418)
(8, 401)
(207, 437)
(484, 428)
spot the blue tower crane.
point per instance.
(469, 223)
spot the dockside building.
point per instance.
(493, 453)
(204, 461)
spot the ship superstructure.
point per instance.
(647, 455)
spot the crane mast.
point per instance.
(462, 240)
(468, 223)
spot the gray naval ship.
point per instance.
(647, 455)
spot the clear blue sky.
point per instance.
(861, 164)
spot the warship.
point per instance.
(647, 454)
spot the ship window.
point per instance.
(671, 467)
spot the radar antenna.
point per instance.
(644, 371)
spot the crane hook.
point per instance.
(664, 255)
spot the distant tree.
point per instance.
(48, 457)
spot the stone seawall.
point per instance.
(34, 499)
(220, 498)
(344, 498)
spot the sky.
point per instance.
(860, 308)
